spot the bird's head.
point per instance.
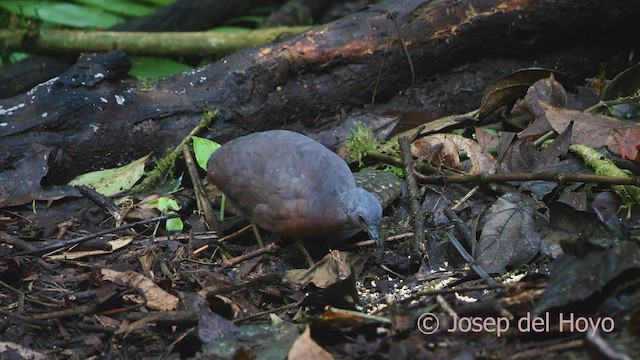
(364, 211)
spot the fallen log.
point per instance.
(203, 14)
(91, 117)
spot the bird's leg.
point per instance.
(256, 233)
(300, 244)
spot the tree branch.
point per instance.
(201, 43)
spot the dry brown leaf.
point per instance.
(449, 156)
(336, 266)
(486, 140)
(546, 90)
(629, 143)
(157, 299)
(588, 129)
(511, 234)
(305, 348)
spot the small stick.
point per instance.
(414, 194)
(82, 239)
(201, 198)
(222, 239)
(559, 178)
(269, 248)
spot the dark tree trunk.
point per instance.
(98, 120)
(201, 15)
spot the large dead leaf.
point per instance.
(519, 157)
(607, 206)
(624, 84)
(508, 89)
(21, 184)
(628, 143)
(576, 199)
(550, 156)
(157, 299)
(522, 157)
(547, 90)
(575, 278)
(305, 348)
(538, 127)
(452, 145)
(510, 235)
(212, 326)
(588, 129)
(334, 275)
(427, 126)
(486, 140)
(335, 267)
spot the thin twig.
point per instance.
(558, 178)
(82, 239)
(414, 194)
(220, 241)
(269, 248)
(203, 203)
(465, 198)
(242, 285)
(101, 201)
(465, 289)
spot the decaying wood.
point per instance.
(93, 118)
(202, 15)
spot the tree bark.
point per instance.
(95, 119)
(201, 15)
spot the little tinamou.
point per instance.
(291, 185)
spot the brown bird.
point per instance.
(291, 185)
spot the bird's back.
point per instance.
(283, 181)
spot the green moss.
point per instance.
(360, 142)
(165, 166)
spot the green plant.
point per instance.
(360, 142)
(203, 148)
(169, 206)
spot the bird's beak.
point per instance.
(375, 235)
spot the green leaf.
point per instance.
(161, 2)
(156, 67)
(174, 224)
(203, 148)
(120, 7)
(165, 204)
(112, 181)
(63, 13)
(14, 57)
